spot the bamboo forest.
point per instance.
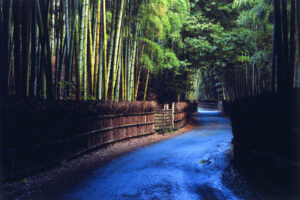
(150, 99)
(129, 50)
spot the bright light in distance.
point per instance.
(201, 110)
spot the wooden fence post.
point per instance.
(164, 121)
(173, 115)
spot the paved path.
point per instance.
(186, 167)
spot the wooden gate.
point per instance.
(166, 119)
(163, 120)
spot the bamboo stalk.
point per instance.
(18, 50)
(81, 45)
(118, 81)
(100, 74)
(69, 50)
(92, 58)
(97, 46)
(142, 53)
(146, 85)
(77, 57)
(112, 36)
(139, 74)
(131, 95)
(298, 28)
(116, 48)
(105, 48)
(128, 57)
(34, 46)
(123, 76)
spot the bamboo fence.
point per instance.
(170, 119)
(22, 157)
(18, 160)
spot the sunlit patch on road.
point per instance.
(206, 111)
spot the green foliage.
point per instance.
(91, 97)
(67, 87)
(25, 181)
(63, 162)
(202, 162)
(187, 45)
(244, 59)
(223, 38)
(162, 22)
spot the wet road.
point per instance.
(186, 167)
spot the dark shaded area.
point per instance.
(208, 193)
(37, 134)
(266, 133)
(168, 85)
(209, 104)
(44, 185)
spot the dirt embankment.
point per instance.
(49, 184)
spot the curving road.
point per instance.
(186, 167)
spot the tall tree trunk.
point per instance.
(101, 64)
(69, 50)
(52, 32)
(69, 72)
(253, 80)
(85, 52)
(128, 57)
(62, 52)
(146, 85)
(81, 46)
(118, 80)
(5, 30)
(42, 49)
(91, 51)
(139, 71)
(123, 74)
(132, 67)
(285, 46)
(34, 47)
(273, 68)
(98, 35)
(111, 45)
(116, 48)
(48, 61)
(292, 45)
(279, 47)
(18, 48)
(105, 48)
(26, 28)
(142, 53)
(58, 19)
(298, 27)
(77, 57)
(10, 48)
(100, 72)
